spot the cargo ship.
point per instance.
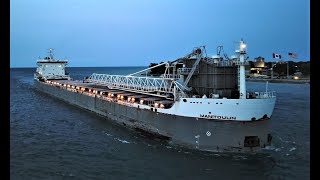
(198, 102)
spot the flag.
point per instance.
(292, 55)
(277, 56)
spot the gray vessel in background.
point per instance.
(199, 102)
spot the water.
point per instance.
(50, 139)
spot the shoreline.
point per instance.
(291, 81)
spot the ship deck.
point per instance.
(92, 88)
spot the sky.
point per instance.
(102, 33)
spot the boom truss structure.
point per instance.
(162, 86)
(146, 85)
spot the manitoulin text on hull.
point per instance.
(199, 102)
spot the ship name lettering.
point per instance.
(210, 116)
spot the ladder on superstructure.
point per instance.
(238, 78)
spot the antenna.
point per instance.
(51, 53)
(220, 52)
(204, 49)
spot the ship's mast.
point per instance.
(242, 75)
(51, 53)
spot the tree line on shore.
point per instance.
(281, 67)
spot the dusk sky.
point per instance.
(137, 32)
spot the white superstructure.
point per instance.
(50, 68)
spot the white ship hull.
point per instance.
(222, 109)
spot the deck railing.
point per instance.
(265, 95)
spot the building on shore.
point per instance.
(258, 68)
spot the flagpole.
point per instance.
(290, 57)
(288, 69)
(271, 70)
